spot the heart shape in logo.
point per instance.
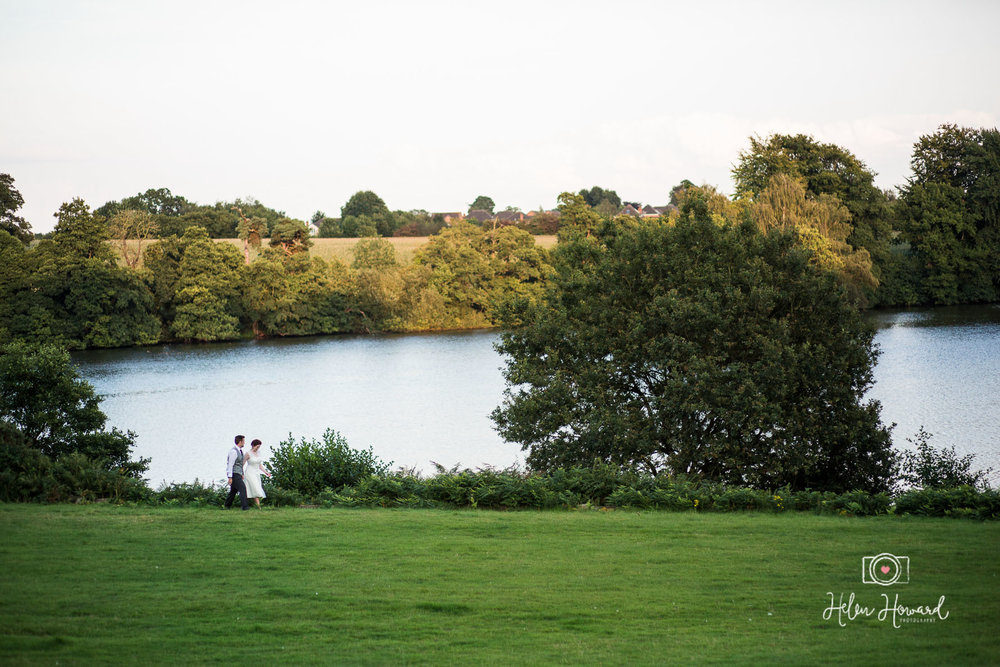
(885, 569)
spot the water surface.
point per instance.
(418, 399)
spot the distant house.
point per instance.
(646, 211)
(313, 229)
(656, 211)
(450, 217)
(480, 215)
(509, 217)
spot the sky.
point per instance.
(300, 104)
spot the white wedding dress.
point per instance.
(251, 476)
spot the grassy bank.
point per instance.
(86, 584)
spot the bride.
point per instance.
(252, 468)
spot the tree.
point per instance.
(701, 349)
(292, 236)
(45, 400)
(821, 225)
(249, 230)
(824, 169)
(358, 226)
(294, 295)
(477, 271)
(677, 191)
(77, 294)
(131, 225)
(576, 217)
(364, 202)
(155, 201)
(483, 203)
(15, 284)
(196, 284)
(79, 233)
(704, 201)
(10, 201)
(596, 196)
(950, 213)
(373, 253)
(543, 222)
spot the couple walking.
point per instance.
(243, 473)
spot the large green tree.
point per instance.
(70, 289)
(950, 214)
(364, 202)
(483, 203)
(701, 349)
(196, 282)
(10, 201)
(605, 202)
(365, 214)
(44, 399)
(478, 272)
(295, 295)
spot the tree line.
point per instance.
(935, 241)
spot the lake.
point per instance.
(418, 399)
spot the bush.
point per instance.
(311, 467)
(194, 493)
(958, 502)
(27, 475)
(932, 468)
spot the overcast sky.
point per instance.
(301, 104)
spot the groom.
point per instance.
(234, 471)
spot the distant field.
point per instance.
(343, 249)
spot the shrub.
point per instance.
(194, 493)
(310, 467)
(959, 502)
(930, 467)
(27, 475)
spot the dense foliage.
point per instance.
(53, 440)
(309, 467)
(10, 201)
(577, 488)
(829, 174)
(950, 216)
(927, 467)
(696, 348)
(72, 290)
(939, 243)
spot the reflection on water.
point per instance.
(421, 398)
(945, 316)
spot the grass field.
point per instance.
(100, 584)
(343, 249)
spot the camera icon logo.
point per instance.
(885, 569)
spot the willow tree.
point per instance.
(821, 224)
(824, 170)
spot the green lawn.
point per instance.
(100, 584)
